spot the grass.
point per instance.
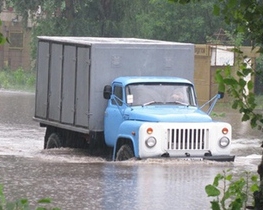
(18, 79)
(23, 203)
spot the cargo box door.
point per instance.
(42, 80)
(68, 90)
(55, 82)
(82, 87)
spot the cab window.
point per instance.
(117, 92)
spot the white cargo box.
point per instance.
(72, 71)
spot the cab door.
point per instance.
(114, 114)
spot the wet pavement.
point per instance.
(75, 180)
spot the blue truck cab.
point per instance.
(150, 116)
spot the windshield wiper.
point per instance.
(151, 102)
(181, 103)
(148, 103)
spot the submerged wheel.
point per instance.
(124, 153)
(54, 141)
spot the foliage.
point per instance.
(23, 204)
(17, 79)
(152, 19)
(247, 16)
(164, 21)
(240, 88)
(3, 39)
(229, 193)
(227, 38)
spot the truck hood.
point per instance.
(167, 114)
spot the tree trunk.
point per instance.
(69, 11)
(258, 195)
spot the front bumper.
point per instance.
(220, 158)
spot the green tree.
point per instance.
(247, 16)
(175, 22)
(155, 19)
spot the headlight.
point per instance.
(150, 142)
(224, 142)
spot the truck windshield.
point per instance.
(147, 94)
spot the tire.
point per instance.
(54, 141)
(49, 131)
(124, 153)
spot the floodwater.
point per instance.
(75, 180)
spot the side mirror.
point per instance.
(220, 95)
(107, 91)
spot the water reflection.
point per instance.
(108, 185)
(16, 107)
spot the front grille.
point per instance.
(187, 139)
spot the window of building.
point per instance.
(16, 40)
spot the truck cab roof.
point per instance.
(150, 79)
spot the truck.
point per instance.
(130, 96)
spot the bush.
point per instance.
(232, 194)
(17, 79)
(23, 204)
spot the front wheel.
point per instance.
(54, 141)
(124, 153)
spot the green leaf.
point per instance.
(250, 85)
(240, 74)
(227, 195)
(216, 179)
(245, 117)
(254, 178)
(246, 71)
(237, 50)
(251, 100)
(211, 190)
(230, 81)
(218, 76)
(242, 82)
(236, 204)
(44, 200)
(235, 104)
(2, 39)
(229, 177)
(216, 10)
(232, 3)
(24, 201)
(254, 188)
(41, 208)
(215, 205)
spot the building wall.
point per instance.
(202, 73)
(16, 53)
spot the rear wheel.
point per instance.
(124, 153)
(54, 141)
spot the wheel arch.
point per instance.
(49, 131)
(121, 141)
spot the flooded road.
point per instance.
(75, 180)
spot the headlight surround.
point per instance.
(150, 142)
(224, 142)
